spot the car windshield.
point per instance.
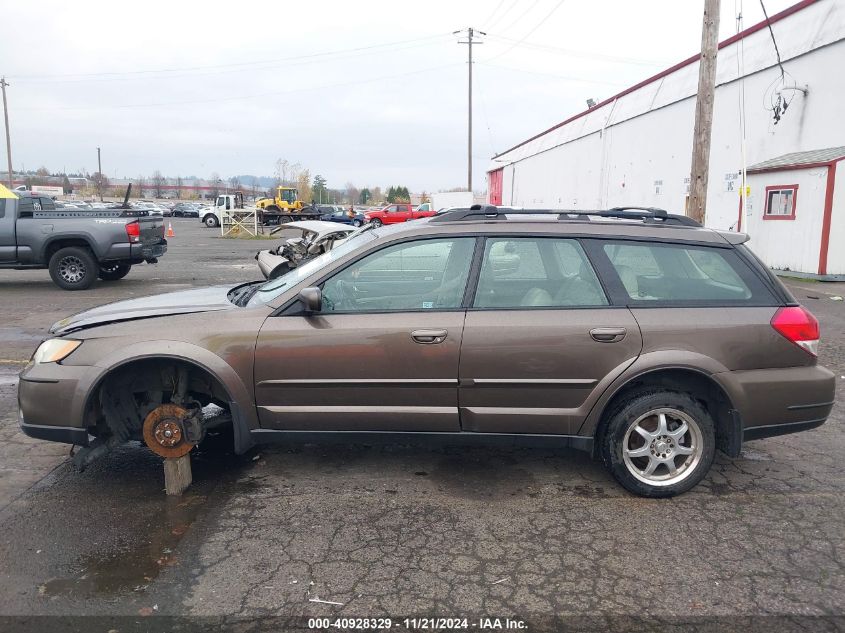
(277, 286)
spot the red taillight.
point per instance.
(799, 326)
(133, 231)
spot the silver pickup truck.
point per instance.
(77, 246)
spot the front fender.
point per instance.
(244, 412)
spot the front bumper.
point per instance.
(63, 434)
(47, 396)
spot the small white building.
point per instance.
(635, 147)
(789, 212)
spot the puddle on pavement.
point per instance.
(134, 568)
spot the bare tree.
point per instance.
(101, 183)
(352, 193)
(179, 187)
(158, 182)
(303, 186)
(215, 182)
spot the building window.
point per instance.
(780, 202)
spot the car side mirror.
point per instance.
(311, 299)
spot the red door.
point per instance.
(494, 182)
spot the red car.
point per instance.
(395, 213)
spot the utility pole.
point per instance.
(3, 84)
(704, 111)
(99, 175)
(469, 42)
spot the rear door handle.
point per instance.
(608, 334)
(429, 337)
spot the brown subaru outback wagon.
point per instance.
(633, 334)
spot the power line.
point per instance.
(206, 100)
(490, 17)
(564, 77)
(235, 65)
(523, 14)
(502, 16)
(530, 33)
(774, 41)
(574, 53)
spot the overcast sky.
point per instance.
(368, 92)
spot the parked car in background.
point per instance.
(344, 216)
(76, 246)
(185, 210)
(638, 336)
(301, 241)
(395, 213)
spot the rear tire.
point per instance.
(113, 272)
(73, 268)
(658, 443)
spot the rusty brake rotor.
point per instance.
(164, 433)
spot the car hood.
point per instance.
(210, 299)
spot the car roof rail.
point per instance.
(649, 215)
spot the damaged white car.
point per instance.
(301, 241)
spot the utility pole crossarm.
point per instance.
(3, 84)
(704, 111)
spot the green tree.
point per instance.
(364, 196)
(319, 192)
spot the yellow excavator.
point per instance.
(284, 207)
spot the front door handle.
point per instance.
(429, 337)
(608, 334)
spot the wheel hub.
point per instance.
(662, 447)
(164, 432)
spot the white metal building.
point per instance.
(635, 148)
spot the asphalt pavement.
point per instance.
(287, 532)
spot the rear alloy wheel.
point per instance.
(356, 223)
(659, 444)
(73, 268)
(113, 272)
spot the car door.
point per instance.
(382, 353)
(541, 339)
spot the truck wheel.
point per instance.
(113, 272)
(73, 268)
(283, 219)
(211, 221)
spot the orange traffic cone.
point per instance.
(170, 232)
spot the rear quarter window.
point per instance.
(675, 274)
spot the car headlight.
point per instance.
(54, 349)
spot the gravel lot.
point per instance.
(405, 530)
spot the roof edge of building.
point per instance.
(690, 60)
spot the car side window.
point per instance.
(678, 273)
(419, 275)
(537, 272)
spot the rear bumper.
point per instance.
(773, 430)
(775, 402)
(135, 253)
